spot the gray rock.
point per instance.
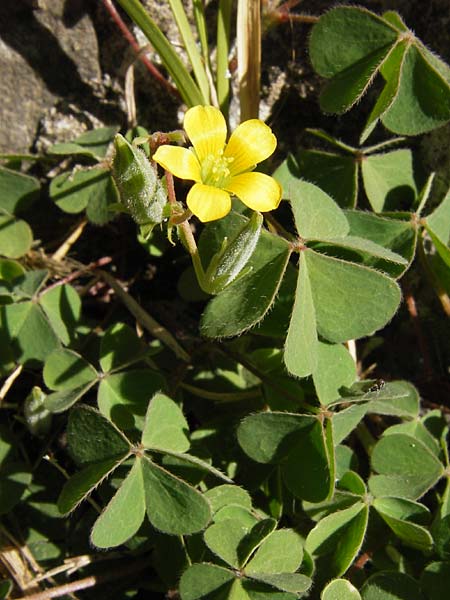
(45, 56)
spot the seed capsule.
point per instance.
(140, 190)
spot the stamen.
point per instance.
(215, 169)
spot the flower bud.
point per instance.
(140, 190)
(230, 263)
(37, 417)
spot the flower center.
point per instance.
(215, 170)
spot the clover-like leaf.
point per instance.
(388, 585)
(67, 370)
(165, 425)
(338, 300)
(80, 485)
(406, 467)
(295, 583)
(340, 589)
(93, 144)
(395, 513)
(316, 215)
(62, 307)
(224, 539)
(58, 402)
(416, 97)
(28, 331)
(339, 537)
(206, 581)
(92, 190)
(397, 235)
(335, 369)
(125, 512)
(368, 299)
(123, 397)
(17, 191)
(299, 443)
(301, 352)
(93, 438)
(438, 227)
(335, 174)
(16, 236)
(226, 494)
(172, 505)
(281, 552)
(389, 179)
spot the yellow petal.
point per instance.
(256, 190)
(252, 142)
(207, 130)
(179, 161)
(208, 203)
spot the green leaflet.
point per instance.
(91, 189)
(93, 144)
(66, 370)
(391, 586)
(406, 467)
(301, 349)
(201, 580)
(16, 236)
(124, 514)
(296, 442)
(172, 505)
(17, 191)
(338, 537)
(165, 426)
(340, 589)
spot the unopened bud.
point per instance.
(37, 417)
(230, 263)
(140, 189)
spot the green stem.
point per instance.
(188, 241)
(366, 438)
(222, 397)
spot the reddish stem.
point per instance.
(170, 187)
(134, 44)
(101, 262)
(282, 13)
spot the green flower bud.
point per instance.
(37, 417)
(230, 263)
(140, 190)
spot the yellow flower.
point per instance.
(219, 168)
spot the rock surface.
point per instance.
(45, 56)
